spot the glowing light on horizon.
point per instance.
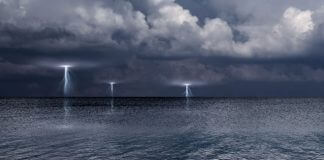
(112, 88)
(66, 79)
(66, 66)
(188, 92)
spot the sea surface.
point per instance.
(161, 128)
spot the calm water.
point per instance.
(162, 128)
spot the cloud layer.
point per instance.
(162, 41)
(158, 28)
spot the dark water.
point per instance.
(162, 128)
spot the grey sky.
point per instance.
(149, 45)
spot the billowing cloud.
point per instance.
(162, 28)
(289, 36)
(161, 41)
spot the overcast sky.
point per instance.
(150, 47)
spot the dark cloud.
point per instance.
(236, 48)
(229, 29)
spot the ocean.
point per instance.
(161, 128)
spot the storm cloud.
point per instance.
(158, 42)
